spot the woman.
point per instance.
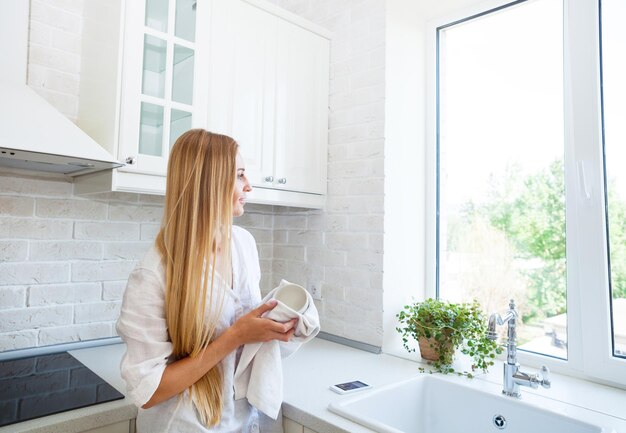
(188, 306)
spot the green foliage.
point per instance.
(462, 326)
(531, 212)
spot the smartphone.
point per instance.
(348, 387)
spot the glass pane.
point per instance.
(154, 52)
(180, 122)
(501, 231)
(186, 19)
(182, 81)
(614, 94)
(151, 130)
(156, 14)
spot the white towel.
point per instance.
(259, 374)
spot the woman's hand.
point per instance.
(253, 328)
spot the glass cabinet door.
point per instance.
(161, 107)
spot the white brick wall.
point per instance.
(64, 259)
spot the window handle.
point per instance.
(582, 181)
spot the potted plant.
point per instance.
(441, 328)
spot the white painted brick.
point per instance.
(250, 219)
(14, 228)
(365, 260)
(325, 256)
(40, 34)
(54, 59)
(54, 80)
(126, 250)
(338, 187)
(45, 13)
(23, 185)
(341, 100)
(13, 251)
(113, 290)
(347, 277)
(289, 252)
(370, 149)
(149, 231)
(73, 6)
(367, 186)
(335, 327)
(111, 231)
(12, 297)
(306, 237)
(97, 312)
(65, 250)
(16, 206)
(345, 241)
(266, 266)
(266, 284)
(332, 292)
(355, 204)
(369, 95)
(102, 271)
(68, 42)
(50, 294)
(368, 333)
(335, 223)
(18, 340)
(375, 242)
(142, 213)
(366, 223)
(261, 235)
(33, 273)
(315, 221)
(290, 221)
(64, 334)
(279, 236)
(71, 209)
(157, 200)
(35, 317)
(126, 197)
(352, 169)
(266, 251)
(340, 119)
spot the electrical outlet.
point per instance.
(316, 291)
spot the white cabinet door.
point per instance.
(242, 74)
(302, 76)
(160, 98)
(120, 427)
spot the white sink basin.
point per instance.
(436, 404)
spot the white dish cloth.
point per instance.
(259, 374)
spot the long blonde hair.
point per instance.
(194, 242)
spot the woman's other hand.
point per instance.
(253, 328)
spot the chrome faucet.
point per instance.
(513, 377)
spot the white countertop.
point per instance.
(307, 375)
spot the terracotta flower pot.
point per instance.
(430, 348)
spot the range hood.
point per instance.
(33, 134)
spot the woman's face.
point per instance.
(242, 186)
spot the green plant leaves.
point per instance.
(460, 325)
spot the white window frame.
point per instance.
(590, 345)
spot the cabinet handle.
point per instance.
(282, 180)
(131, 160)
(269, 178)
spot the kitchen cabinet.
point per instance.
(141, 86)
(269, 89)
(243, 68)
(290, 426)
(120, 427)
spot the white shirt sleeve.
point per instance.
(143, 328)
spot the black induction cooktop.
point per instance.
(47, 384)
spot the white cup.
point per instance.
(293, 296)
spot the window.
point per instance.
(613, 37)
(530, 200)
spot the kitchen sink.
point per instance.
(438, 404)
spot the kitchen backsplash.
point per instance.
(64, 259)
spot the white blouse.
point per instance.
(143, 328)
